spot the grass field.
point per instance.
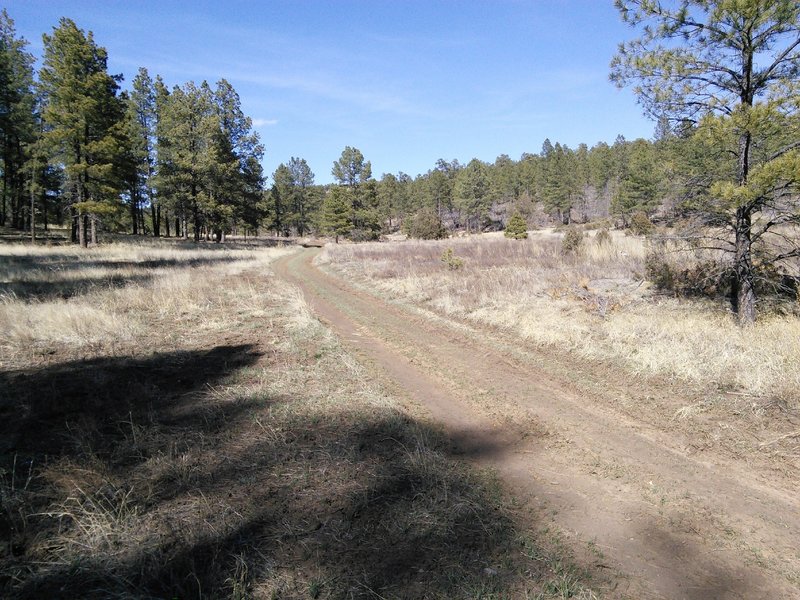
(175, 423)
(594, 304)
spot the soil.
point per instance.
(628, 488)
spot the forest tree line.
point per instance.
(77, 150)
(723, 164)
(185, 161)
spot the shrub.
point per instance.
(599, 224)
(425, 225)
(516, 228)
(641, 224)
(709, 278)
(659, 272)
(602, 237)
(453, 262)
(572, 241)
(363, 235)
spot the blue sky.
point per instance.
(406, 82)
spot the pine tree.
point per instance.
(185, 154)
(472, 193)
(18, 122)
(237, 177)
(141, 114)
(84, 123)
(354, 173)
(516, 228)
(730, 68)
(336, 210)
(301, 204)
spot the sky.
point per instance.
(406, 82)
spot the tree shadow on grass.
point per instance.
(57, 285)
(40, 408)
(211, 494)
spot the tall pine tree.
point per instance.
(84, 122)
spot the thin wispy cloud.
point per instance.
(264, 122)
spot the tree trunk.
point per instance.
(5, 197)
(743, 267)
(196, 219)
(745, 297)
(154, 217)
(33, 214)
(93, 221)
(82, 230)
(135, 212)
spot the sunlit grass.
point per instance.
(595, 304)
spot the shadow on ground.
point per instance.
(53, 276)
(169, 477)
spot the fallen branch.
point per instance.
(794, 434)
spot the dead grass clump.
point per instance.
(573, 241)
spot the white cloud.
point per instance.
(264, 122)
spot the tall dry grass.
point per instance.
(67, 301)
(594, 303)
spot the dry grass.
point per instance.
(186, 428)
(594, 303)
(66, 300)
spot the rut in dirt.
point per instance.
(674, 526)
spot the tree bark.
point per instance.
(745, 297)
(155, 217)
(81, 230)
(134, 212)
(33, 214)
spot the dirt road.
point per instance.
(671, 524)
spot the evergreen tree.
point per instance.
(425, 225)
(186, 154)
(731, 67)
(84, 121)
(336, 210)
(280, 200)
(354, 173)
(560, 183)
(516, 228)
(472, 193)
(237, 176)
(638, 189)
(142, 116)
(18, 122)
(302, 178)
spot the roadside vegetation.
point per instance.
(592, 298)
(176, 424)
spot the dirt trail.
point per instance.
(672, 525)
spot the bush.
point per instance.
(572, 241)
(710, 279)
(602, 237)
(425, 225)
(453, 262)
(641, 224)
(517, 228)
(363, 235)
